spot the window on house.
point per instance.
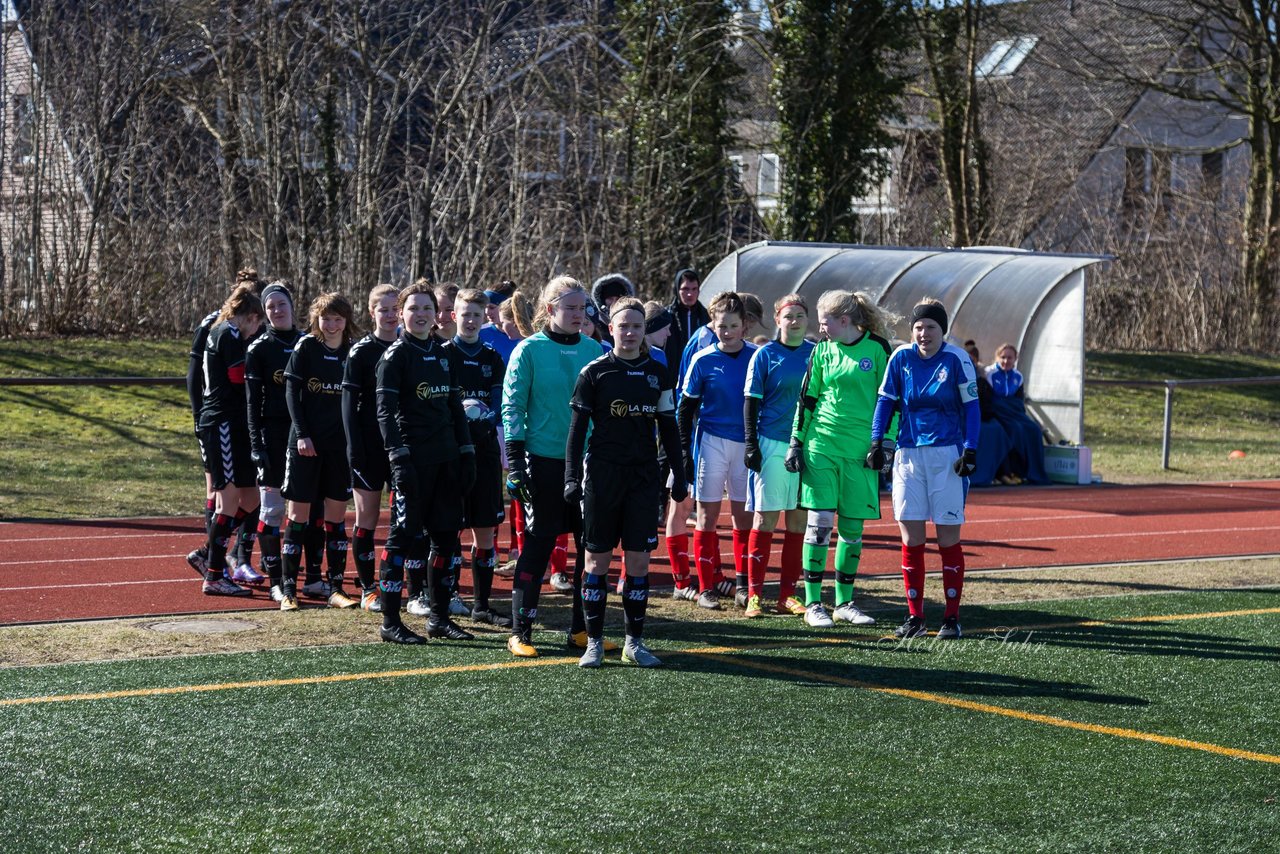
(24, 130)
(1211, 174)
(1148, 177)
(768, 180)
(542, 147)
(878, 198)
(1004, 57)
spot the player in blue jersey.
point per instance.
(713, 437)
(1010, 407)
(774, 378)
(933, 387)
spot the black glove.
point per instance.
(262, 463)
(753, 457)
(967, 464)
(679, 490)
(690, 470)
(881, 456)
(404, 480)
(794, 461)
(467, 470)
(573, 492)
(520, 485)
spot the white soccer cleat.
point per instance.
(816, 615)
(851, 613)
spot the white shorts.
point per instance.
(926, 487)
(774, 488)
(719, 466)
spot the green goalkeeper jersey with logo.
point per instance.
(844, 380)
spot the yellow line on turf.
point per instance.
(351, 677)
(1049, 720)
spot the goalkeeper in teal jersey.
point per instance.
(830, 443)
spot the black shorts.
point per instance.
(371, 471)
(226, 455)
(310, 479)
(617, 506)
(435, 505)
(275, 434)
(549, 515)
(484, 506)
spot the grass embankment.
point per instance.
(129, 451)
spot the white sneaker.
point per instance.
(458, 608)
(561, 583)
(594, 656)
(816, 616)
(688, 593)
(851, 613)
(224, 587)
(277, 593)
(317, 590)
(635, 652)
(419, 606)
(709, 600)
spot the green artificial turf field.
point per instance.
(757, 735)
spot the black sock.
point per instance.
(740, 581)
(635, 603)
(415, 564)
(209, 508)
(363, 543)
(233, 542)
(482, 563)
(438, 579)
(291, 556)
(526, 587)
(269, 539)
(313, 537)
(248, 535)
(219, 534)
(455, 566)
(391, 583)
(335, 551)
(595, 595)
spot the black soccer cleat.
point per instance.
(914, 627)
(400, 633)
(491, 617)
(950, 629)
(448, 629)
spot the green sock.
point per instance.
(815, 565)
(847, 556)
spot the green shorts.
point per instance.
(842, 484)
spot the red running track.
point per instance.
(77, 570)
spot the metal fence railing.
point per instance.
(1169, 386)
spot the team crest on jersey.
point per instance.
(486, 371)
(653, 382)
(942, 375)
(973, 389)
(864, 364)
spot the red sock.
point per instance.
(517, 518)
(758, 545)
(740, 560)
(560, 557)
(792, 564)
(913, 578)
(952, 577)
(678, 554)
(706, 551)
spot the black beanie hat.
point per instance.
(931, 311)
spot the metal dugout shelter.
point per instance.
(1034, 300)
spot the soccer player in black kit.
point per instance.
(316, 463)
(621, 396)
(224, 431)
(480, 373)
(432, 461)
(269, 423)
(370, 473)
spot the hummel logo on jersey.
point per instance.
(329, 358)
(635, 373)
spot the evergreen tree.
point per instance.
(836, 87)
(673, 116)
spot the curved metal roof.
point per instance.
(1033, 300)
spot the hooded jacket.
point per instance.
(687, 320)
(611, 285)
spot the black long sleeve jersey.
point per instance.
(265, 363)
(313, 385)
(420, 401)
(360, 386)
(624, 399)
(223, 399)
(480, 371)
